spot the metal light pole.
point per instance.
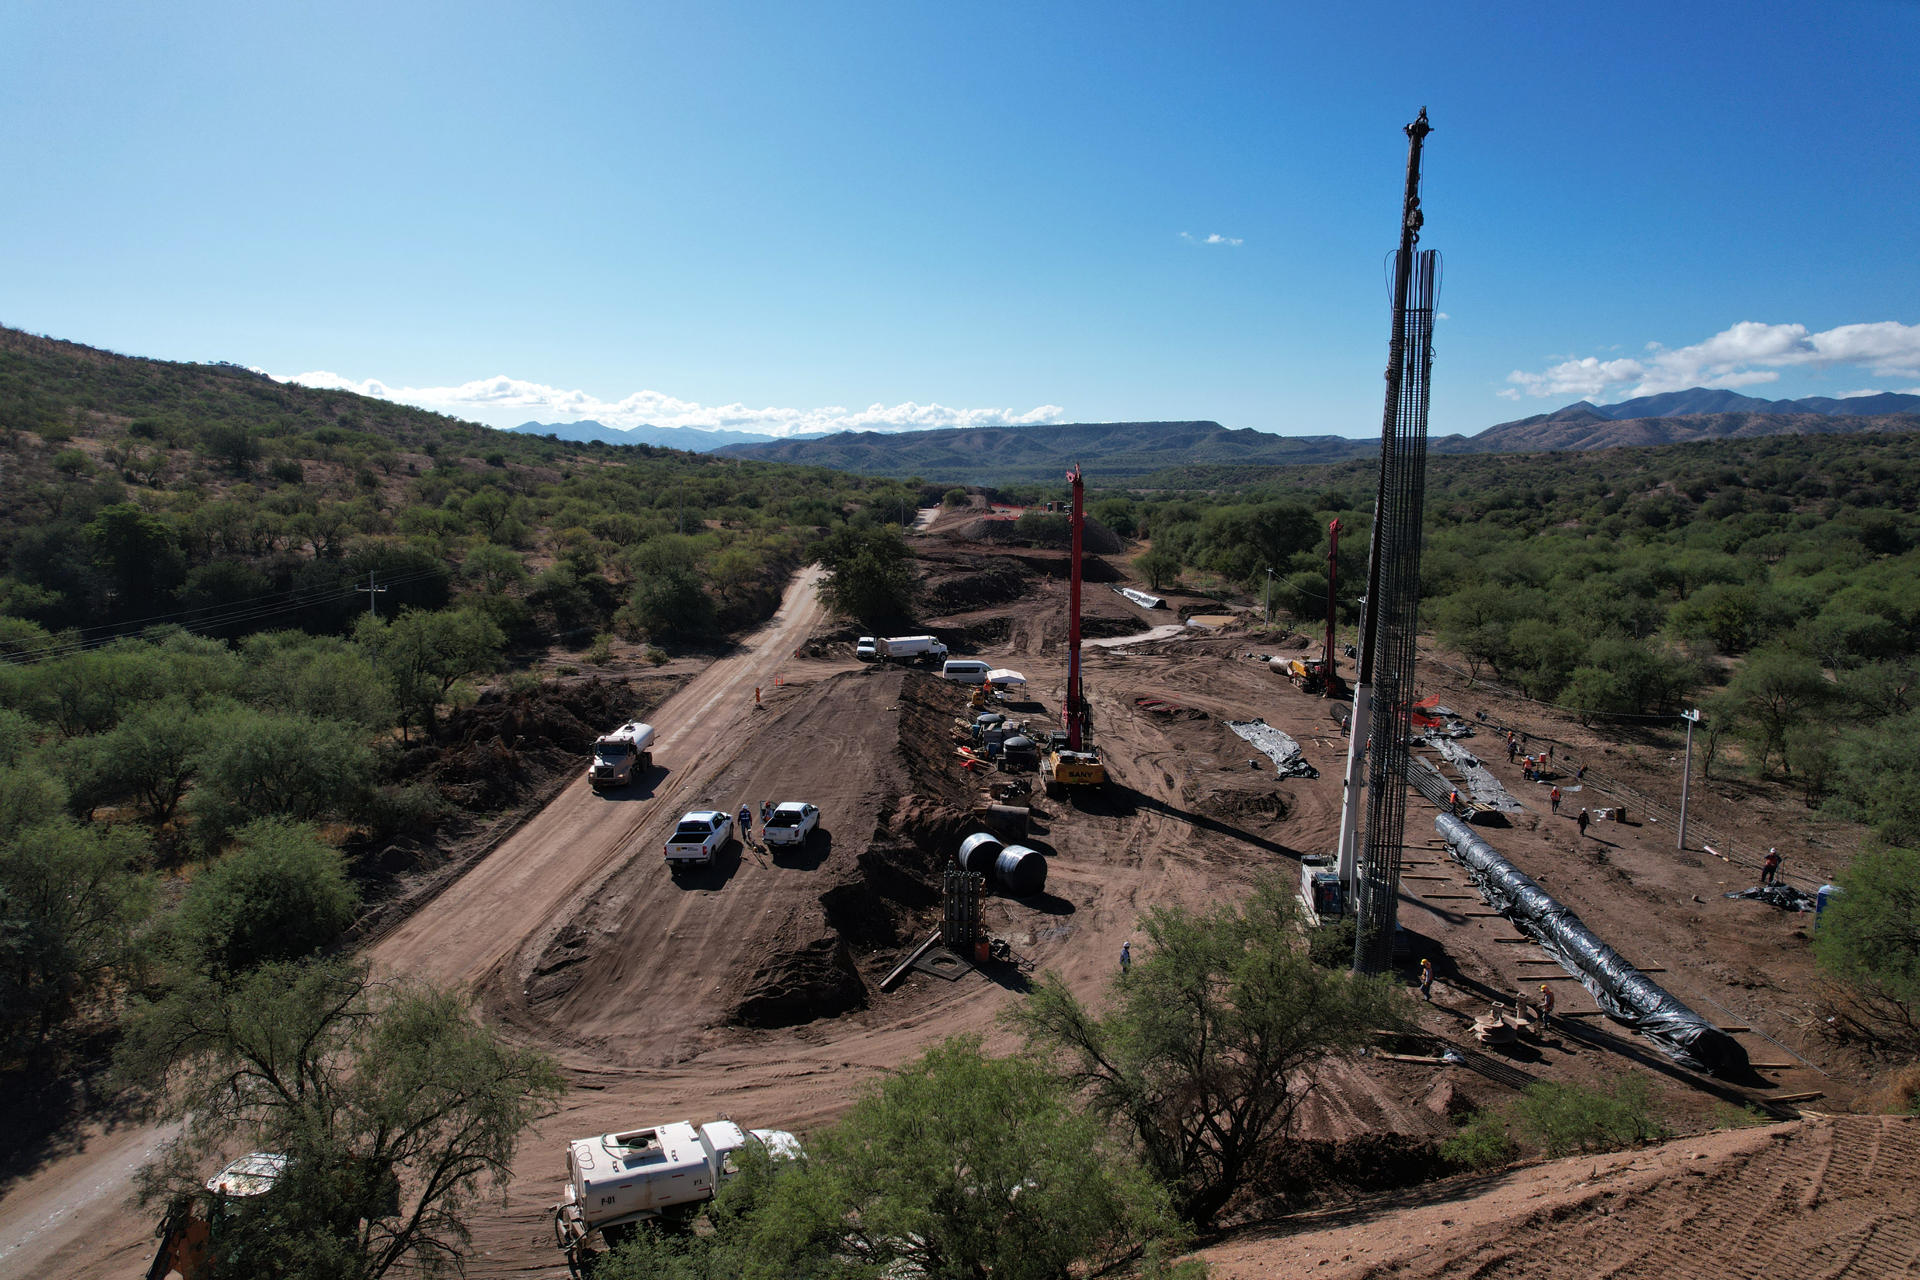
(1269, 596)
(1692, 717)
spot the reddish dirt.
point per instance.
(751, 988)
(1822, 1197)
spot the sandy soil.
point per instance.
(1824, 1197)
(685, 998)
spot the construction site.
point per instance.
(1167, 749)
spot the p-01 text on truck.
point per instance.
(621, 757)
(621, 1179)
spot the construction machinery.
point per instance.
(1070, 759)
(1316, 676)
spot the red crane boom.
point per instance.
(1073, 709)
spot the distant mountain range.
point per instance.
(1129, 450)
(1677, 417)
(692, 439)
(1011, 454)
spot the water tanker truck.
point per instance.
(622, 756)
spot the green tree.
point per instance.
(1158, 566)
(956, 1165)
(671, 604)
(1212, 1041)
(321, 677)
(282, 894)
(71, 901)
(1869, 938)
(870, 572)
(494, 569)
(423, 654)
(394, 1106)
(1774, 692)
(1476, 622)
(150, 755)
(263, 764)
(1877, 775)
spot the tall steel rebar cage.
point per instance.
(960, 910)
(1394, 602)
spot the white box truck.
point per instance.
(622, 756)
(620, 1179)
(912, 649)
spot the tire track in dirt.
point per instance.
(536, 876)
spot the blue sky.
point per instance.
(773, 216)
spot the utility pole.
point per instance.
(1269, 595)
(1692, 717)
(373, 595)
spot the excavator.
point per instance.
(1070, 760)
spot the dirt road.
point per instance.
(523, 889)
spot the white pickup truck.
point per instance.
(620, 1179)
(700, 835)
(791, 823)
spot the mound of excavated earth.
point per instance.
(1831, 1197)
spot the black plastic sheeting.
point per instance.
(1783, 896)
(1626, 994)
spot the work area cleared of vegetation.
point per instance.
(307, 826)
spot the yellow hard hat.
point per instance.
(1543, 986)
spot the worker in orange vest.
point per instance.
(1554, 798)
(1546, 1007)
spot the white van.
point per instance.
(964, 670)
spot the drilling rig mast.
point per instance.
(1071, 759)
(1391, 608)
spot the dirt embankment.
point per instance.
(1829, 1197)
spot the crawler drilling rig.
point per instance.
(1071, 759)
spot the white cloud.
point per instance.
(1212, 238)
(1855, 395)
(1441, 315)
(1748, 354)
(550, 404)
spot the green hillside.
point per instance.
(1015, 455)
(144, 491)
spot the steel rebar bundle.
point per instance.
(1393, 579)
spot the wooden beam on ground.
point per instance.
(908, 963)
(1796, 1097)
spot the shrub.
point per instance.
(1331, 944)
(1563, 1119)
(404, 810)
(281, 895)
(1481, 1143)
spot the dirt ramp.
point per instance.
(808, 974)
